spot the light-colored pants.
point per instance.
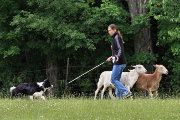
(115, 80)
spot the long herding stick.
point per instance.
(86, 72)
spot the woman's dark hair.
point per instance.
(113, 27)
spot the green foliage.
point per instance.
(141, 21)
(31, 30)
(166, 12)
(86, 85)
(11, 51)
(61, 29)
(142, 58)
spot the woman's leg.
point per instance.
(124, 89)
(115, 80)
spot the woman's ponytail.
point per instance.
(120, 35)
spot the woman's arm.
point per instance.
(118, 44)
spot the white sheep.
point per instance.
(128, 79)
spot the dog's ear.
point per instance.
(155, 65)
(47, 79)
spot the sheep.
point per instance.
(128, 79)
(150, 82)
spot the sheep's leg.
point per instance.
(150, 93)
(102, 92)
(110, 93)
(31, 97)
(141, 93)
(156, 93)
(128, 87)
(97, 90)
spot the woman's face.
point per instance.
(111, 31)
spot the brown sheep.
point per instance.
(150, 82)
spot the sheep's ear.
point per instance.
(134, 66)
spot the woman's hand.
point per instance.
(117, 57)
(109, 59)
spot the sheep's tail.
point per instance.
(101, 80)
(12, 88)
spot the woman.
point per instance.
(119, 60)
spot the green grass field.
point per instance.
(89, 109)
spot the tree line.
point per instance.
(42, 34)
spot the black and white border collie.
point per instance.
(34, 90)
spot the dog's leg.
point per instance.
(31, 97)
(42, 97)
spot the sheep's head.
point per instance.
(140, 68)
(161, 69)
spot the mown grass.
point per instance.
(89, 109)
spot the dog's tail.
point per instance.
(12, 88)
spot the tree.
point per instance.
(166, 12)
(142, 41)
(140, 22)
(37, 36)
(48, 32)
